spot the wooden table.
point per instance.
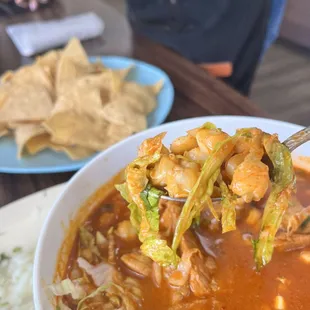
(196, 93)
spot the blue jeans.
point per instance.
(275, 20)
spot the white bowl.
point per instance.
(101, 169)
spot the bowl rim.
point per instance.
(37, 282)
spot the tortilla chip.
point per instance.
(97, 66)
(74, 152)
(6, 76)
(35, 75)
(119, 114)
(123, 73)
(157, 87)
(38, 143)
(137, 97)
(102, 82)
(26, 102)
(48, 62)
(108, 79)
(3, 130)
(43, 141)
(67, 71)
(119, 132)
(24, 134)
(4, 93)
(75, 52)
(72, 64)
(79, 97)
(74, 128)
(83, 89)
(13, 125)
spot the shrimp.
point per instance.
(182, 178)
(177, 174)
(196, 155)
(193, 132)
(253, 143)
(183, 144)
(152, 145)
(232, 164)
(207, 139)
(159, 173)
(250, 179)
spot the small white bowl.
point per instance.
(102, 168)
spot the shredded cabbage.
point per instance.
(135, 216)
(199, 193)
(67, 287)
(158, 250)
(136, 177)
(122, 188)
(150, 196)
(228, 209)
(88, 241)
(283, 183)
(99, 290)
(143, 202)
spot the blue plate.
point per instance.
(49, 161)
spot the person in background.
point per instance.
(225, 37)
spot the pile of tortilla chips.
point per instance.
(65, 103)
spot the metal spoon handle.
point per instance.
(297, 139)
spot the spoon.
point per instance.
(292, 143)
